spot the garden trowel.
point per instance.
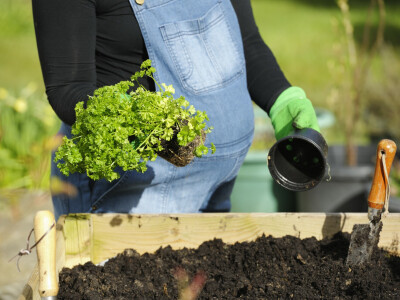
(45, 234)
(365, 237)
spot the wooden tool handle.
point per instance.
(46, 253)
(376, 198)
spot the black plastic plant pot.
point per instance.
(298, 161)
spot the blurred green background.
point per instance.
(307, 37)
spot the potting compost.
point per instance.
(267, 268)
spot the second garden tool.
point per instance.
(45, 233)
(365, 237)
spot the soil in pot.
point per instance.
(268, 268)
(177, 155)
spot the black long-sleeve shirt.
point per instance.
(86, 44)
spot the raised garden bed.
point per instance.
(95, 238)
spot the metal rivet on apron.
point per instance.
(94, 207)
(140, 2)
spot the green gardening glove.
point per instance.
(292, 110)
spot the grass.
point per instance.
(27, 122)
(18, 53)
(301, 35)
(19, 63)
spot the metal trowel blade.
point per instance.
(364, 239)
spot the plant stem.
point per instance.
(147, 138)
(359, 64)
(161, 89)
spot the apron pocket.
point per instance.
(204, 51)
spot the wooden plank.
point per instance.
(112, 233)
(85, 237)
(78, 239)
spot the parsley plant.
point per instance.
(117, 129)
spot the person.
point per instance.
(211, 52)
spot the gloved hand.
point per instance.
(292, 110)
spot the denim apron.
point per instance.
(196, 46)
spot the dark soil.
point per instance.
(177, 155)
(268, 268)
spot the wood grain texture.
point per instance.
(85, 237)
(146, 233)
(78, 239)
